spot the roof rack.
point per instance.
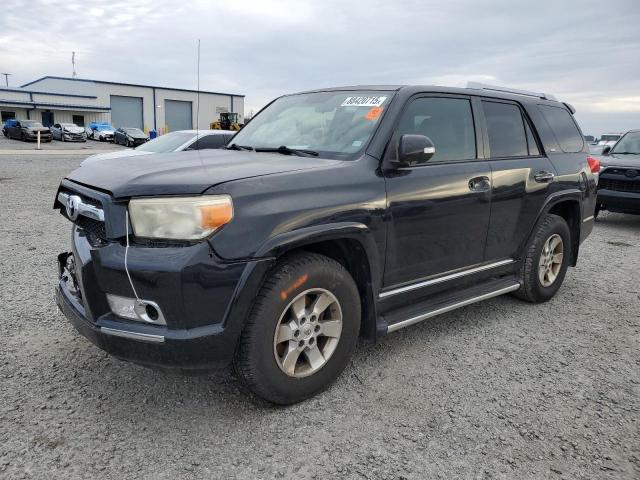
(494, 88)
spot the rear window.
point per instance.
(564, 128)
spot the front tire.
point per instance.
(302, 329)
(546, 260)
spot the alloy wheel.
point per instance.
(307, 333)
(551, 260)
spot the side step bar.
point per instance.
(453, 306)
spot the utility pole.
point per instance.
(73, 64)
(6, 78)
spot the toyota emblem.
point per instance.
(631, 173)
(73, 207)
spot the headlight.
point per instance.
(180, 218)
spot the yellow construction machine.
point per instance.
(228, 121)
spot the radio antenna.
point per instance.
(198, 102)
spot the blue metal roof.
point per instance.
(130, 85)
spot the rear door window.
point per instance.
(506, 130)
(448, 122)
(564, 128)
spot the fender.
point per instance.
(573, 194)
(285, 242)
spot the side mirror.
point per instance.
(606, 150)
(414, 150)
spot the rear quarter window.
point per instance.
(564, 128)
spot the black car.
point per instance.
(619, 183)
(333, 214)
(130, 137)
(26, 130)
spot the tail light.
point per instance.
(594, 164)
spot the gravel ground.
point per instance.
(501, 389)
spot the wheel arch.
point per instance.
(349, 243)
(565, 204)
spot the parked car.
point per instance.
(7, 124)
(172, 142)
(619, 182)
(332, 214)
(609, 139)
(129, 137)
(100, 131)
(68, 132)
(27, 130)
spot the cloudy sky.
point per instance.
(585, 52)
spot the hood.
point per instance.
(615, 160)
(115, 154)
(38, 129)
(185, 173)
(137, 135)
(74, 129)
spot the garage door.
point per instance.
(177, 115)
(126, 111)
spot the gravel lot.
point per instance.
(502, 389)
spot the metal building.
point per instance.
(74, 100)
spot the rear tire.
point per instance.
(291, 347)
(546, 259)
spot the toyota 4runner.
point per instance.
(333, 214)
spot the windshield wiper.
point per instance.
(284, 150)
(235, 146)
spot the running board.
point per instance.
(498, 288)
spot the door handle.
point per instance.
(544, 177)
(479, 184)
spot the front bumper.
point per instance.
(622, 202)
(44, 137)
(74, 137)
(204, 302)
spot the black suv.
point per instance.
(619, 184)
(333, 214)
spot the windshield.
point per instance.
(135, 131)
(630, 143)
(31, 124)
(68, 125)
(335, 124)
(166, 143)
(609, 138)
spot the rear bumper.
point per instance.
(623, 202)
(204, 302)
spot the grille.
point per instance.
(94, 228)
(630, 186)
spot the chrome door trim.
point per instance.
(448, 308)
(588, 219)
(445, 278)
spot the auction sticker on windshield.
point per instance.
(363, 101)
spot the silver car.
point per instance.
(177, 141)
(68, 132)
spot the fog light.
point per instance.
(138, 310)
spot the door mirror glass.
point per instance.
(414, 150)
(606, 150)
